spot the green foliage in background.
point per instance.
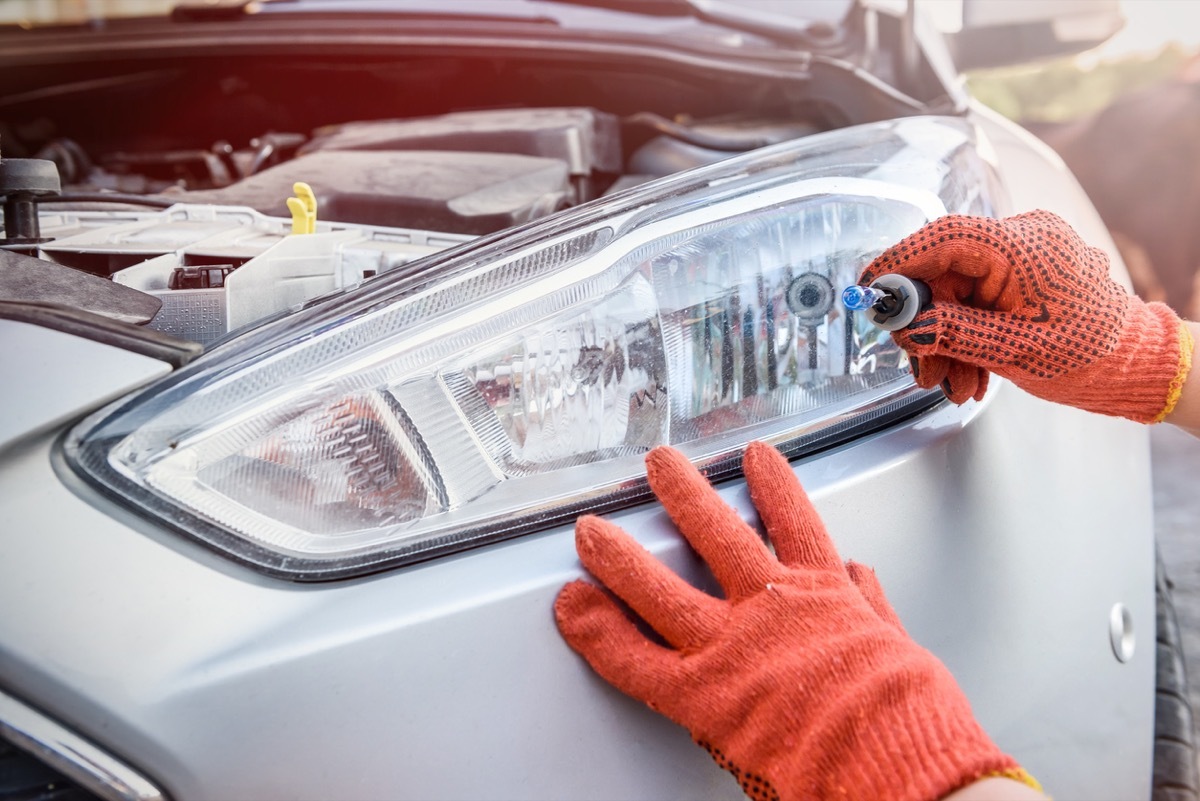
(1060, 90)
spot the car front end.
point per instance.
(299, 531)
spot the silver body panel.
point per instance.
(43, 395)
(1011, 528)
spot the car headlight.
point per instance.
(518, 381)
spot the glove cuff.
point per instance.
(1187, 346)
(1017, 775)
(1143, 378)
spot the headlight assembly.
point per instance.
(516, 382)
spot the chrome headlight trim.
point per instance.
(72, 755)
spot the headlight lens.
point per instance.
(513, 383)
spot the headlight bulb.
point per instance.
(891, 302)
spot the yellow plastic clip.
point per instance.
(303, 208)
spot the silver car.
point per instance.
(321, 322)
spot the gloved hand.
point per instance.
(1026, 299)
(801, 682)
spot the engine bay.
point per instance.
(174, 176)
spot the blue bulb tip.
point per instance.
(858, 298)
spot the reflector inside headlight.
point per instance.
(514, 383)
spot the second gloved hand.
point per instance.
(801, 681)
(1025, 298)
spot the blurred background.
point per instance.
(1126, 118)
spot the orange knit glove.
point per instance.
(801, 682)
(1026, 299)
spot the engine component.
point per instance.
(586, 139)
(205, 277)
(193, 168)
(683, 147)
(214, 269)
(22, 181)
(464, 193)
(271, 149)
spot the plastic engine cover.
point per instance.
(584, 138)
(463, 193)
